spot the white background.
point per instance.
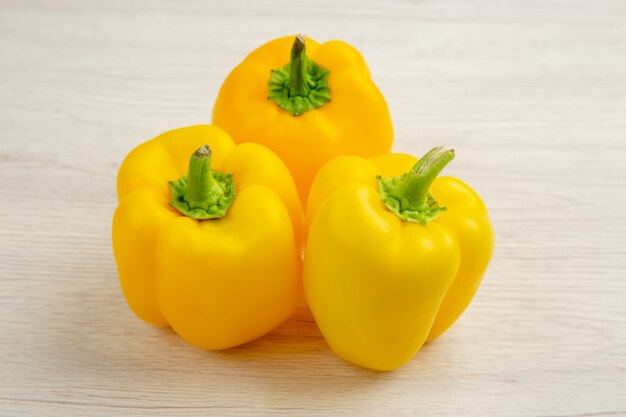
(532, 95)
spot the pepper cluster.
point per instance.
(210, 235)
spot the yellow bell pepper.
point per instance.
(311, 108)
(387, 267)
(215, 254)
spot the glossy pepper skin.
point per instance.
(218, 282)
(309, 105)
(379, 286)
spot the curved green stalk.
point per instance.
(408, 195)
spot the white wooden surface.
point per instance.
(531, 94)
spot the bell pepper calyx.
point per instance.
(203, 193)
(408, 195)
(301, 85)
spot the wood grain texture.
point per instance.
(531, 94)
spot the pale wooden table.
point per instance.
(531, 94)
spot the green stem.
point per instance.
(413, 189)
(298, 85)
(203, 193)
(200, 179)
(408, 196)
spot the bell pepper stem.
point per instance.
(298, 85)
(408, 196)
(200, 179)
(413, 189)
(203, 193)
